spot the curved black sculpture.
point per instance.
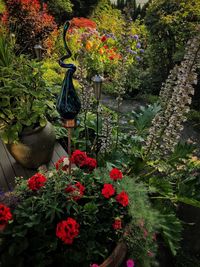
(68, 103)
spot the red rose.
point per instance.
(108, 190)
(90, 163)
(122, 198)
(62, 164)
(36, 181)
(76, 191)
(117, 224)
(67, 230)
(104, 38)
(116, 174)
(5, 215)
(78, 157)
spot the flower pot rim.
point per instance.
(28, 131)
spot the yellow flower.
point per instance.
(88, 45)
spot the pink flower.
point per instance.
(94, 265)
(130, 263)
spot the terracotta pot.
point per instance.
(117, 256)
(35, 147)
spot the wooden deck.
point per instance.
(9, 168)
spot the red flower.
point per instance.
(104, 38)
(5, 215)
(116, 174)
(62, 164)
(83, 23)
(67, 230)
(76, 191)
(78, 157)
(111, 57)
(105, 46)
(122, 198)
(36, 181)
(108, 190)
(90, 163)
(117, 224)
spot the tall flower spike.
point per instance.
(175, 98)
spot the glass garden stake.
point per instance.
(68, 103)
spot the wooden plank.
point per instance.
(3, 183)
(7, 167)
(18, 169)
(60, 150)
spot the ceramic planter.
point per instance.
(35, 147)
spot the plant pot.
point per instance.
(35, 147)
(117, 256)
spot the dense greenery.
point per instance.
(152, 50)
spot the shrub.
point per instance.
(30, 21)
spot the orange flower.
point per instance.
(88, 45)
(101, 51)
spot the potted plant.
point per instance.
(24, 101)
(60, 220)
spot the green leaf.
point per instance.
(171, 230)
(43, 122)
(189, 201)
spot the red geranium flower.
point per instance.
(123, 199)
(108, 190)
(104, 38)
(67, 230)
(117, 224)
(78, 157)
(116, 174)
(90, 163)
(5, 215)
(76, 191)
(36, 181)
(62, 164)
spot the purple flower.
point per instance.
(131, 51)
(138, 45)
(142, 50)
(136, 37)
(110, 35)
(138, 58)
(130, 263)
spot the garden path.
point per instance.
(9, 168)
(188, 134)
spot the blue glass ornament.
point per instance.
(68, 103)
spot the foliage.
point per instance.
(38, 212)
(23, 102)
(60, 9)
(5, 50)
(30, 22)
(83, 7)
(170, 24)
(108, 19)
(194, 117)
(2, 6)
